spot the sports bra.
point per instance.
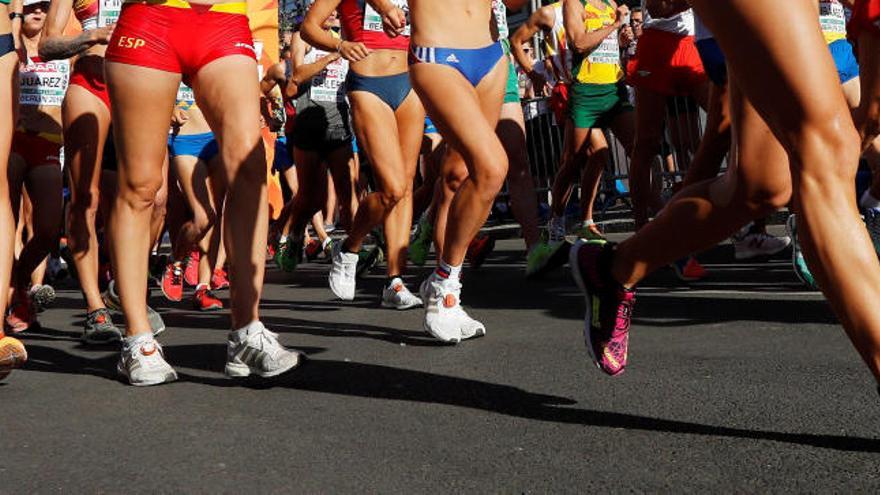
(361, 23)
(86, 12)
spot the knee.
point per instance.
(204, 222)
(827, 156)
(767, 198)
(84, 201)
(490, 170)
(392, 194)
(244, 158)
(139, 195)
(454, 178)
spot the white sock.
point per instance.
(246, 331)
(589, 222)
(453, 272)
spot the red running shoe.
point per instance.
(313, 250)
(479, 249)
(172, 281)
(22, 315)
(609, 306)
(191, 271)
(219, 280)
(205, 300)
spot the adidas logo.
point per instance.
(452, 59)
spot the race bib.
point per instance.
(44, 83)
(329, 85)
(185, 97)
(608, 52)
(373, 21)
(500, 11)
(832, 17)
(108, 12)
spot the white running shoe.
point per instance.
(758, 244)
(397, 296)
(253, 350)
(343, 272)
(142, 362)
(445, 319)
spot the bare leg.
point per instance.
(523, 201)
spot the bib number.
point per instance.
(329, 85)
(44, 83)
(108, 12)
(608, 52)
(373, 21)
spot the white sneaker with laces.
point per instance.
(758, 244)
(253, 350)
(343, 272)
(397, 296)
(142, 362)
(445, 319)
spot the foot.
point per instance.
(42, 295)
(590, 232)
(172, 281)
(205, 300)
(22, 313)
(397, 296)
(343, 272)
(367, 259)
(289, 254)
(191, 269)
(758, 245)
(12, 355)
(445, 319)
(99, 328)
(313, 250)
(688, 269)
(420, 245)
(111, 300)
(798, 263)
(219, 280)
(142, 362)
(545, 256)
(253, 350)
(609, 306)
(479, 249)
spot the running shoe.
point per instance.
(397, 296)
(798, 263)
(556, 229)
(445, 319)
(748, 245)
(158, 263)
(99, 328)
(688, 269)
(191, 269)
(111, 300)
(313, 250)
(142, 362)
(22, 314)
(12, 355)
(545, 256)
(43, 295)
(172, 281)
(67, 256)
(420, 245)
(590, 232)
(609, 306)
(872, 222)
(205, 300)
(289, 254)
(343, 272)
(219, 279)
(479, 249)
(368, 259)
(56, 269)
(253, 350)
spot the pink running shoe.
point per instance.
(191, 272)
(609, 306)
(219, 280)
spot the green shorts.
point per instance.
(596, 105)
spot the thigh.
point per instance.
(44, 189)
(650, 114)
(377, 133)
(410, 116)
(142, 101)
(230, 99)
(86, 121)
(192, 175)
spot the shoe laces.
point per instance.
(177, 273)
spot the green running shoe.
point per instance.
(420, 245)
(289, 254)
(797, 256)
(545, 256)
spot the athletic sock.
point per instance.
(448, 272)
(389, 281)
(868, 201)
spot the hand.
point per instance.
(179, 117)
(394, 22)
(539, 82)
(622, 12)
(101, 36)
(627, 36)
(353, 52)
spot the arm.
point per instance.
(274, 77)
(314, 34)
(537, 21)
(666, 8)
(303, 72)
(16, 7)
(393, 18)
(579, 39)
(55, 46)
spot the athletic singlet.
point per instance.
(681, 23)
(556, 46)
(361, 23)
(93, 14)
(701, 32)
(602, 66)
(43, 83)
(832, 18)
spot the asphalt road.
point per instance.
(741, 383)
